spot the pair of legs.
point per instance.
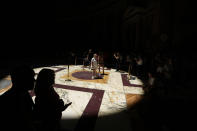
(117, 65)
(94, 73)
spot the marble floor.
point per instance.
(99, 104)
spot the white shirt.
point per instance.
(94, 64)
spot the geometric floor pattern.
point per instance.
(100, 104)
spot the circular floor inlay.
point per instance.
(86, 75)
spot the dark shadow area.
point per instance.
(164, 114)
(146, 33)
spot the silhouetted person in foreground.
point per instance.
(17, 104)
(48, 105)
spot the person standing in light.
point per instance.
(94, 65)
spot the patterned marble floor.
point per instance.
(101, 103)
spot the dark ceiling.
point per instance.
(36, 26)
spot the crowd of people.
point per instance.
(165, 99)
(157, 71)
(168, 100)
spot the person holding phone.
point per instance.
(48, 105)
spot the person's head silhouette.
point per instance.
(45, 80)
(23, 78)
